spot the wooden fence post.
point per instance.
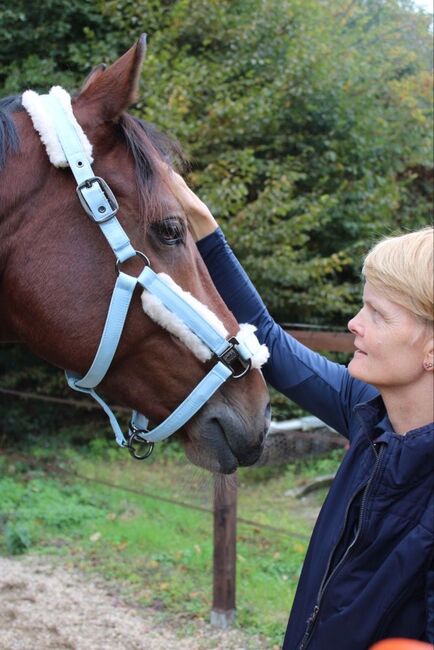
(225, 531)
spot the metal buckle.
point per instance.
(102, 209)
(135, 438)
(231, 356)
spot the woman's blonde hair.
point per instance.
(402, 268)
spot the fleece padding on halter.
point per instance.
(156, 310)
(43, 123)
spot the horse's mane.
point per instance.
(146, 144)
(9, 140)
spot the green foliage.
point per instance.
(308, 124)
(49, 423)
(33, 508)
(282, 408)
(17, 539)
(28, 510)
(308, 468)
(48, 42)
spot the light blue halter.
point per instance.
(101, 206)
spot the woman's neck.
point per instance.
(412, 407)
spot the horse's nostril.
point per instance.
(267, 417)
(268, 412)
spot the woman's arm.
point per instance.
(320, 386)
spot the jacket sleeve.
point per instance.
(429, 635)
(320, 386)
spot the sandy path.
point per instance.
(46, 607)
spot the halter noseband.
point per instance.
(67, 145)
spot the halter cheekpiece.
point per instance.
(162, 299)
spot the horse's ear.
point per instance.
(107, 92)
(93, 74)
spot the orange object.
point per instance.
(402, 644)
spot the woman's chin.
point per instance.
(356, 371)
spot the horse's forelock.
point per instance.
(152, 152)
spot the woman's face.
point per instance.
(390, 342)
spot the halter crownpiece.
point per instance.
(163, 300)
(43, 124)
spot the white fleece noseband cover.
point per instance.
(155, 309)
(43, 124)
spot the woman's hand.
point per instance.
(200, 219)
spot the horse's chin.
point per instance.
(221, 438)
(199, 455)
(219, 457)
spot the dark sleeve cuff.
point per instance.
(214, 240)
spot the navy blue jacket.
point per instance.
(368, 572)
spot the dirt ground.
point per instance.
(47, 607)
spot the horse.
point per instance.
(57, 271)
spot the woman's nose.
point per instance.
(355, 326)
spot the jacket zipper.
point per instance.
(326, 580)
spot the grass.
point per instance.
(160, 554)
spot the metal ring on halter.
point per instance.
(232, 356)
(244, 371)
(144, 257)
(134, 437)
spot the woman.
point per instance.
(368, 572)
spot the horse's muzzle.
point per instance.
(228, 438)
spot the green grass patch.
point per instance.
(160, 554)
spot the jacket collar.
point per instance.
(375, 421)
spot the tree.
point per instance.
(308, 127)
(308, 124)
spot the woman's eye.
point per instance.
(170, 231)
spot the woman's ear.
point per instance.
(428, 360)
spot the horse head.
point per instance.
(57, 271)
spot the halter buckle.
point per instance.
(105, 206)
(235, 362)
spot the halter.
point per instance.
(69, 147)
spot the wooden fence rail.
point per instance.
(328, 341)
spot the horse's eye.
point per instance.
(170, 231)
